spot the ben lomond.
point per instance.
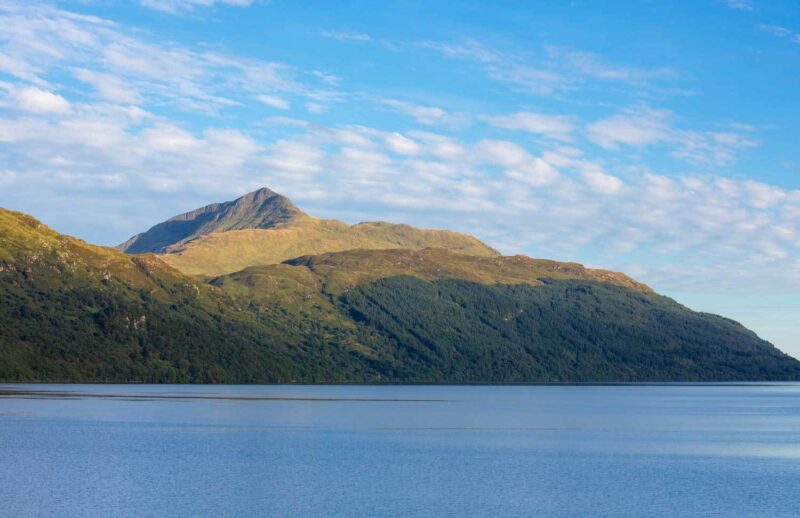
(256, 291)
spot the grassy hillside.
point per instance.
(263, 227)
(341, 271)
(74, 312)
(226, 252)
(70, 311)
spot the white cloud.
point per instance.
(642, 126)
(741, 5)
(169, 138)
(588, 65)
(316, 108)
(518, 163)
(273, 101)
(633, 127)
(402, 145)
(556, 126)
(348, 36)
(439, 145)
(36, 100)
(181, 6)
(781, 32)
(285, 121)
(427, 115)
(710, 148)
(504, 67)
(287, 156)
(121, 65)
(549, 71)
(109, 87)
(602, 182)
(328, 79)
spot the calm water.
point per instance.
(110, 450)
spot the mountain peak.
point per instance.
(260, 209)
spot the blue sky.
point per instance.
(659, 138)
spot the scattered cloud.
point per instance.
(588, 65)
(316, 108)
(741, 5)
(427, 115)
(402, 145)
(555, 203)
(36, 100)
(781, 32)
(109, 87)
(503, 67)
(602, 182)
(183, 6)
(713, 148)
(638, 126)
(550, 71)
(641, 126)
(351, 36)
(555, 126)
(328, 79)
(120, 66)
(273, 101)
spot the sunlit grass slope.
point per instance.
(263, 227)
(226, 252)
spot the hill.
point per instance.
(263, 228)
(70, 311)
(448, 316)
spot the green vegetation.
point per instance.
(226, 252)
(565, 330)
(70, 311)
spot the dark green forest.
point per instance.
(563, 331)
(398, 329)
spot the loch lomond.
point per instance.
(547, 450)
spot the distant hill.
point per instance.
(71, 311)
(266, 228)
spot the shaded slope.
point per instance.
(442, 316)
(564, 330)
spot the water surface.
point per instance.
(620, 450)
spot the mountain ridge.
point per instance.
(224, 238)
(72, 311)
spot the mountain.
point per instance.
(71, 311)
(261, 209)
(266, 228)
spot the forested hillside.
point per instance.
(70, 311)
